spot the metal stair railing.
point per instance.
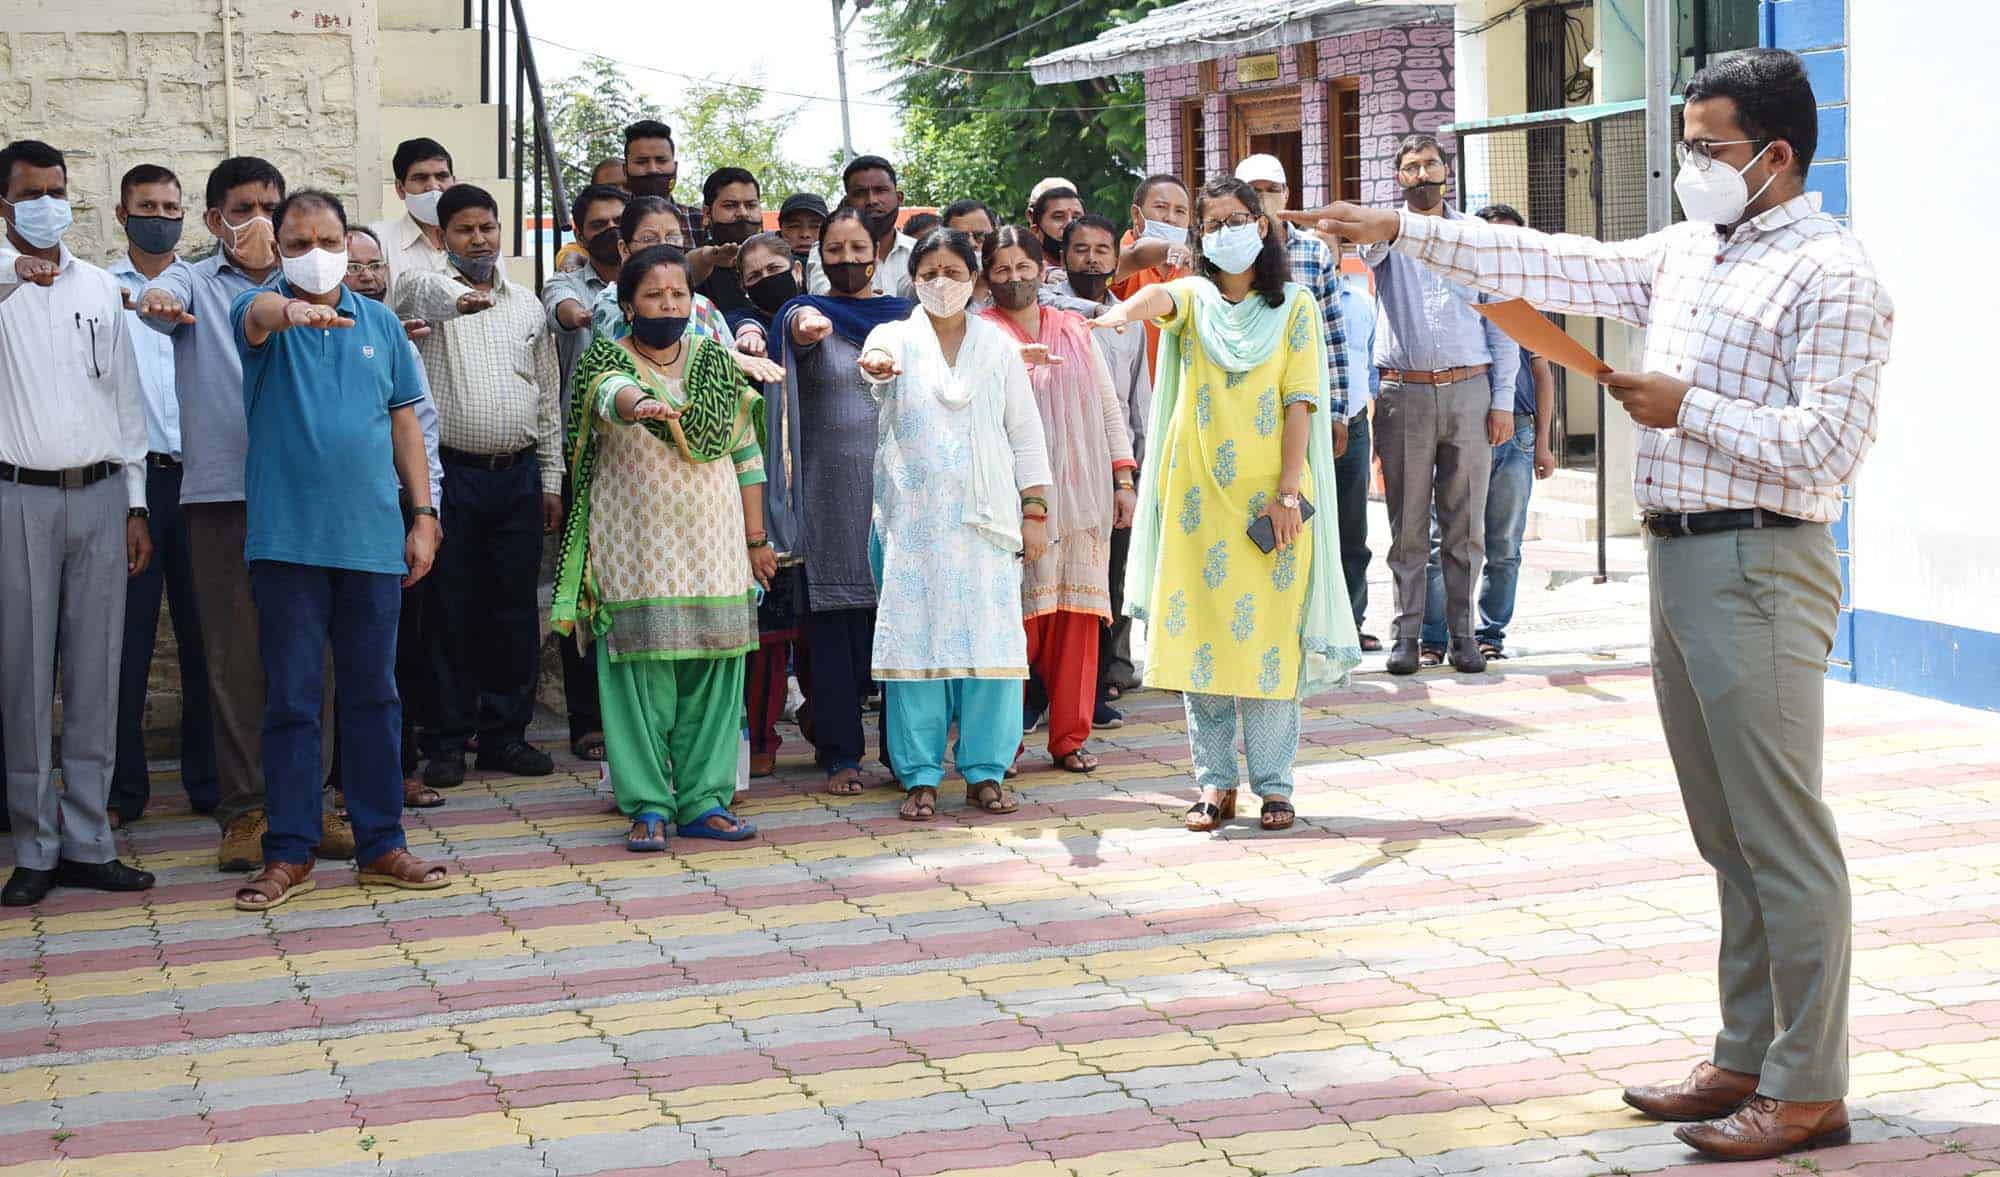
(529, 136)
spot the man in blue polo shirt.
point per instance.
(329, 389)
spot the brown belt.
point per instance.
(1448, 376)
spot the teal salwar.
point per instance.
(1270, 741)
(671, 730)
(920, 713)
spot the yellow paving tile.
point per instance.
(285, 1154)
(559, 1121)
(420, 1138)
(394, 1046)
(504, 1032)
(725, 1100)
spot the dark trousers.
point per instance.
(840, 644)
(483, 605)
(1114, 646)
(416, 676)
(579, 677)
(1351, 476)
(301, 611)
(171, 574)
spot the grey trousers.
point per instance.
(1742, 624)
(1432, 442)
(62, 574)
(216, 532)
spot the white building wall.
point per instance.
(1926, 158)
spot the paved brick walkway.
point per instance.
(1489, 918)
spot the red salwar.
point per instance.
(1062, 652)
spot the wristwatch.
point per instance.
(137, 513)
(425, 510)
(1289, 500)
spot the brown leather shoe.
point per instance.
(1710, 1093)
(243, 843)
(336, 838)
(1767, 1127)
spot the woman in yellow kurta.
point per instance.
(1242, 372)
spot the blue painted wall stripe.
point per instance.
(1927, 658)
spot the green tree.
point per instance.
(588, 111)
(982, 128)
(721, 126)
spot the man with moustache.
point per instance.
(870, 183)
(651, 169)
(1446, 400)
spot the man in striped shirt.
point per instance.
(1766, 332)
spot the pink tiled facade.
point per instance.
(1406, 82)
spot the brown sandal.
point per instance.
(273, 885)
(417, 795)
(991, 797)
(846, 783)
(400, 868)
(1077, 761)
(1277, 814)
(1204, 816)
(919, 808)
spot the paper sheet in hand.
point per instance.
(1531, 329)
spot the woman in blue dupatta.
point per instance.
(822, 492)
(1242, 633)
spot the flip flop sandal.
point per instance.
(1277, 814)
(699, 827)
(274, 886)
(1077, 761)
(404, 871)
(1430, 656)
(590, 747)
(1492, 652)
(914, 807)
(416, 795)
(846, 783)
(1001, 800)
(1204, 816)
(653, 839)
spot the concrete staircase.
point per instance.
(1564, 507)
(430, 87)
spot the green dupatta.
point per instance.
(718, 401)
(1237, 337)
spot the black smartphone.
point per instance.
(1265, 535)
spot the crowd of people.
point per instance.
(941, 456)
(902, 459)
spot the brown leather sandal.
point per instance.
(274, 885)
(847, 782)
(919, 804)
(1204, 816)
(1277, 814)
(990, 797)
(400, 868)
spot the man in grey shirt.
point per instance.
(1446, 399)
(190, 302)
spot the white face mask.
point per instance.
(944, 297)
(424, 205)
(1720, 194)
(317, 271)
(1169, 233)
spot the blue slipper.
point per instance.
(655, 825)
(699, 827)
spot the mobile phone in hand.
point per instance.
(1264, 533)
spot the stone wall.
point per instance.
(1406, 85)
(114, 83)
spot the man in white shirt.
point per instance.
(870, 182)
(150, 210)
(72, 528)
(414, 241)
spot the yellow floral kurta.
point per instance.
(1226, 618)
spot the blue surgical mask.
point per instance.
(41, 222)
(1169, 233)
(1233, 249)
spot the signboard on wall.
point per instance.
(1262, 67)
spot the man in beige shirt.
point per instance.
(415, 240)
(493, 373)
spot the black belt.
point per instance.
(485, 461)
(163, 461)
(75, 479)
(1668, 525)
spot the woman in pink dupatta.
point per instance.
(1066, 595)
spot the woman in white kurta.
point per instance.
(961, 497)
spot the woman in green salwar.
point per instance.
(664, 554)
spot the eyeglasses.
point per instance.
(366, 269)
(1699, 153)
(645, 240)
(1232, 221)
(1435, 169)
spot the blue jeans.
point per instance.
(171, 574)
(1350, 477)
(301, 610)
(1506, 522)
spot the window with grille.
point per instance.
(1194, 144)
(1344, 138)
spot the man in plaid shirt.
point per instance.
(1766, 332)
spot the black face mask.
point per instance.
(657, 331)
(731, 232)
(880, 225)
(657, 184)
(1052, 247)
(802, 256)
(849, 277)
(1088, 284)
(604, 247)
(1015, 295)
(772, 291)
(153, 234)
